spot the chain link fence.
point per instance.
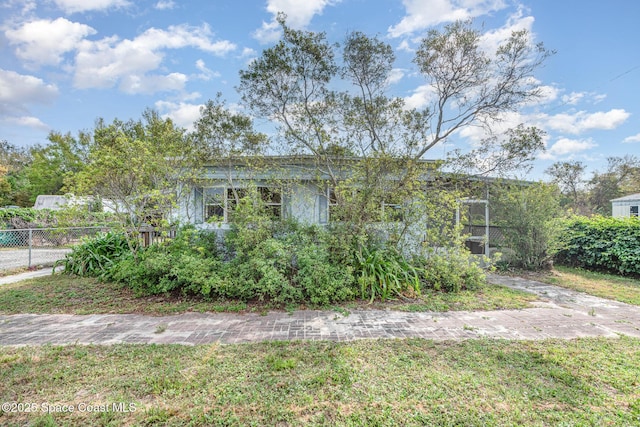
(33, 247)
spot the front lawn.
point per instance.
(603, 285)
(61, 293)
(385, 382)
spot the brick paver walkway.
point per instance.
(561, 314)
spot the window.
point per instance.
(220, 201)
(390, 209)
(214, 204)
(332, 205)
(633, 210)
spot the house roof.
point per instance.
(305, 163)
(628, 198)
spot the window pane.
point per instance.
(634, 210)
(270, 195)
(214, 204)
(214, 211)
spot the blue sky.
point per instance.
(64, 63)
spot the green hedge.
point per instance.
(602, 244)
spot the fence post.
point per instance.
(30, 245)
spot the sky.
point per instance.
(65, 63)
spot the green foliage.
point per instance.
(321, 280)
(601, 243)
(528, 217)
(14, 185)
(96, 256)
(283, 262)
(56, 162)
(70, 216)
(140, 166)
(453, 272)
(27, 218)
(385, 273)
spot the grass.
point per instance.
(386, 382)
(603, 285)
(58, 294)
(74, 295)
(490, 297)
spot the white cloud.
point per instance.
(183, 114)
(581, 121)
(72, 6)
(44, 42)
(101, 64)
(25, 121)
(567, 147)
(25, 6)
(575, 98)
(630, 139)
(422, 96)
(422, 14)
(18, 92)
(205, 73)
(491, 40)
(247, 52)
(395, 75)
(165, 5)
(299, 15)
(404, 46)
(547, 94)
(150, 84)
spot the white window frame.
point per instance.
(225, 202)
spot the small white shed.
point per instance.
(625, 206)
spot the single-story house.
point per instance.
(626, 206)
(291, 187)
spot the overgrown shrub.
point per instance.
(96, 256)
(601, 243)
(18, 218)
(291, 265)
(280, 262)
(451, 272)
(189, 262)
(384, 273)
(528, 220)
(321, 280)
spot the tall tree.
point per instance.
(569, 176)
(326, 100)
(57, 161)
(138, 166)
(14, 185)
(622, 177)
(291, 83)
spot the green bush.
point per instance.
(189, 262)
(290, 266)
(601, 243)
(96, 256)
(384, 273)
(528, 220)
(322, 281)
(452, 272)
